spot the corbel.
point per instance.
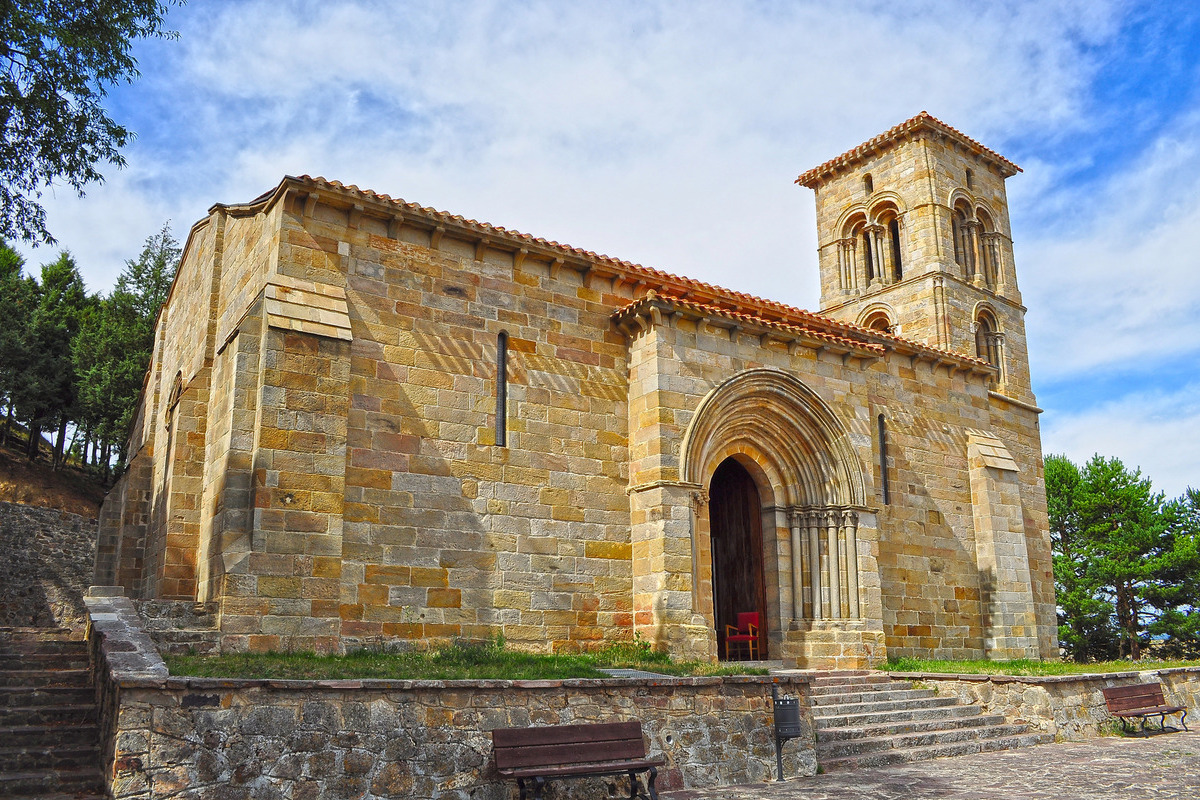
(585, 275)
(435, 238)
(394, 226)
(356, 215)
(310, 204)
(555, 266)
(480, 248)
(519, 257)
(794, 346)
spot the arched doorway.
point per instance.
(737, 551)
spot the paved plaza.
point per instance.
(1163, 766)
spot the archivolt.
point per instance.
(789, 430)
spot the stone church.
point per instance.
(366, 419)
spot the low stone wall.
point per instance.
(183, 737)
(45, 566)
(1070, 707)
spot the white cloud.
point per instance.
(1123, 283)
(1155, 431)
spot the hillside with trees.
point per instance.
(74, 362)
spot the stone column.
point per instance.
(812, 520)
(797, 568)
(835, 585)
(850, 533)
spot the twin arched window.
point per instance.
(989, 341)
(976, 245)
(870, 252)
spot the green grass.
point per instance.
(491, 660)
(1027, 666)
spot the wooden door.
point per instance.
(735, 521)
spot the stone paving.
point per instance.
(1165, 766)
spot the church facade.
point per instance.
(365, 419)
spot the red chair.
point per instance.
(746, 633)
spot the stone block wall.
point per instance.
(1070, 707)
(46, 566)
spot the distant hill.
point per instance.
(69, 489)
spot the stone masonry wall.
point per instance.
(1070, 707)
(46, 566)
(190, 737)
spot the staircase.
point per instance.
(49, 740)
(868, 719)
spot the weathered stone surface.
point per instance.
(47, 565)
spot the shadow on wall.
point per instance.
(45, 566)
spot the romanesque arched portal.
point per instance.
(811, 484)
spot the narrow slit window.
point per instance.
(883, 457)
(897, 261)
(502, 389)
(868, 184)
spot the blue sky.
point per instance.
(669, 133)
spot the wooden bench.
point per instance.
(574, 751)
(1141, 700)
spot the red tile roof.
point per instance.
(923, 121)
(703, 309)
(715, 299)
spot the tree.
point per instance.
(115, 342)
(45, 389)
(1085, 628)
(1126, 564)
(1176, 595)
(57, 61)
(16, 300)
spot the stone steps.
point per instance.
(946, 711)
(874, 744)
(37, 783)
(49, 739)
(31, 696)
(903, 756)
(896, 728)
(45, 677)
(902, 692)
(49, 735)
(872, 720)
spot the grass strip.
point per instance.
(460, 661)
(1027, 666)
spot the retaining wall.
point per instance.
(184, 737)
(1071, 707)
(46, 559)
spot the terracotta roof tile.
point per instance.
(746, 318)
(816, 175)
(677, 287)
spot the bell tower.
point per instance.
(913, 239)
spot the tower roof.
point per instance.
(907, 129)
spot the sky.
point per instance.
(670, 133)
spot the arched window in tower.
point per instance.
(989, 249)
(964, 247)
(849, 274)
(887, 232)
(897, 259)
(868, 183)
(989, 342)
